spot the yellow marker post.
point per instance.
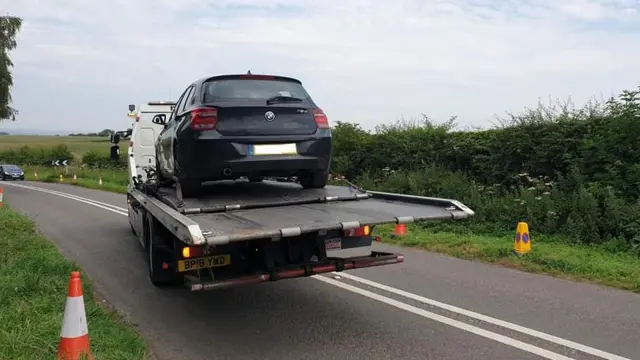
(522, 243)
(61, 178)
(75, 178)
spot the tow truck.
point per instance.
(240, 233)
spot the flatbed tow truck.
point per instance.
(240, 233)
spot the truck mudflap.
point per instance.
(332, 265)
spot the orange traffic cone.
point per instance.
(74, 337)
(1, 196)
(400, 230)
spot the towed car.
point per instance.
(232, 126)
(11, 172)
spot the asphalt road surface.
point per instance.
(429, 307)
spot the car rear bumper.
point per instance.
(210, 159)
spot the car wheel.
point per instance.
(315, 180)
(190, 187)
(159, 178)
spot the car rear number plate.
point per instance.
(273, 149)
(204, 262)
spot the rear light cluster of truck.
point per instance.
(192, 251)
(361, 231)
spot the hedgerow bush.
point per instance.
(26, 155)
(102, 160)
(565, 171)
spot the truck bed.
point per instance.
(237, 211)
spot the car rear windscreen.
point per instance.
(251, 89)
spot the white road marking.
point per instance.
(102, 205)
(485, 318)
(421, 312)
(445, 320)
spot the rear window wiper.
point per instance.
(281, 98)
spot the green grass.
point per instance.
(78, 145)
(114, 181)
(34, 278)
(549, 255)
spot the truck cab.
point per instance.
(141, 151)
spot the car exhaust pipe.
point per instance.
(227, 171)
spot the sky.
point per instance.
(80, 63)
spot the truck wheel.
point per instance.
(315, 180)
(158, 253)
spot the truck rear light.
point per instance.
(192, 251)
(321, 119)
(204, 119)
(361, 231)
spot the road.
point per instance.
(429, 307)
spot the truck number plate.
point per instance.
(204, 262)
(333, 244)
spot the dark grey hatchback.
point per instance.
(11, 172)
(229, 126)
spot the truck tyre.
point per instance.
(158, 252)
(315, 180)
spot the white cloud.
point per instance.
(78, 63)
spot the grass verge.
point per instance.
(34, 278)
(113, 181)
(550, 255)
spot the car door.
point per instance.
(165, 139)
(171, 130)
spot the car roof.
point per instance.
(235, 76)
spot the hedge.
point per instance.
(569, 172)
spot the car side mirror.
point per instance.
(160, 119)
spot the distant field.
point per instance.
(78, 145)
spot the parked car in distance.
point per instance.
(11, 172)
(232, 126)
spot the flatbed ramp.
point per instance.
(240, 211)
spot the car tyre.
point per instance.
(190, 187)
(315, 180)
(161, 181)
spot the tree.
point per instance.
(9, 28)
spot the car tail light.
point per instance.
(321, 119)
(204, 119)
(361, 231)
